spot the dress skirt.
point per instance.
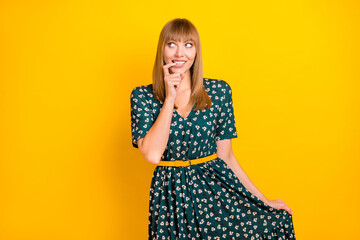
(208, 201)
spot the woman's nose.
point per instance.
(179, 51)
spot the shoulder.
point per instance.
(217, 86)
(215, 83)
(142, 92)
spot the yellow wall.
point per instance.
(67, 168)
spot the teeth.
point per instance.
(179, 63)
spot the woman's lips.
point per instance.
(179, 65)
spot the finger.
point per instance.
(173, 81)
(287, 208)
(172, 75)
(173, 78)
(166, 68)
(175, 75)
(291, 212)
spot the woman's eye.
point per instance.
(169, 44)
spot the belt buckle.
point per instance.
(189, 162)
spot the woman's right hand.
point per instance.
(172, 81)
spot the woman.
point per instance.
(184, 123)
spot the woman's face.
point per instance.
(179, 51)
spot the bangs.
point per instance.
(181, 31)
(180, 36)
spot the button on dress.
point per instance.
(206, 200)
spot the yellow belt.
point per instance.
(184, 163)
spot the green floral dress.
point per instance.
(206, 200)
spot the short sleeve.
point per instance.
(226, 127)
(141, 115)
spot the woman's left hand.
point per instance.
(279, 204)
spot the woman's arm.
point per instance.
(153, 145)
(225, 152)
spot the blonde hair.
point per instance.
(181, 29)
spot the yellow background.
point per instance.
(68, 169)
